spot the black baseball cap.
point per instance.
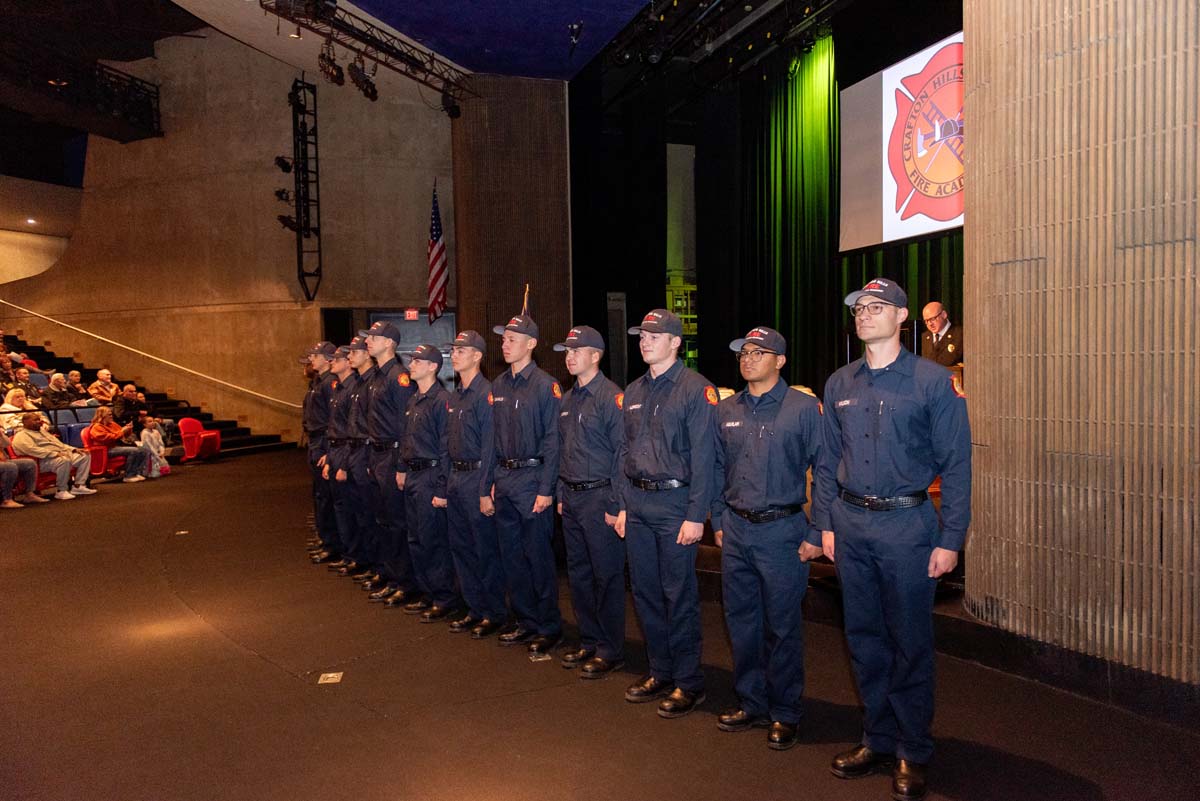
(880, 289)
(659, 321)
(358, 343)
(765, 338)
(382, 328)
(323, 348)
(581, 336)
(521, 323)
(429, 353)
(341, 353)
(468, 339)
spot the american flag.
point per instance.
(437, 262)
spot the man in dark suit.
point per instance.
(943, 342)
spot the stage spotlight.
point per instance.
(362, 81)
(288, 222)
(284, 164)
(450, 106)
(327, 61)
(283, 195)
(654, 55)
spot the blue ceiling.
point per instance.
(508, 37)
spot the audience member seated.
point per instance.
(54, 457)
(118, 439)
(12, 470)
(31, 391)
(103, 389)
(130, 407)
(61, 395)
(151, 441)
(8, 376)
(75, 382)
(15, 406)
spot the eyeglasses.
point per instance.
(753, 356)
(935, 317)
(874, 309)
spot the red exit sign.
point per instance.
(412, 314)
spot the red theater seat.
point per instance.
(101, 464)
(44, 480)
(198, 443)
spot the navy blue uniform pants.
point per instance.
(763, 583)
(882, 561)
(596, 571)
(323, 514)
(348, 500)
(665, 591)
(525, 542)
(389, 540)
(427, 542)
(475, 548)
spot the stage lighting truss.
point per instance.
(371, 43)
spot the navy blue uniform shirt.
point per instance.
(340, 402)
(425, 433)
(525, 410)
(765, 448)
(890, 432)
(671, 432)
(472, 436)
(316, 413)
(592, 432)
(387, 401)
(360, 400)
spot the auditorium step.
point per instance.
(236, 439)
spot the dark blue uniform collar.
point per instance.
(670, 375)
(474, 385)
(905, 363)
(775, 393)
(526, 373)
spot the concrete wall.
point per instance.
(178, 252)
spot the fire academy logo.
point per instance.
(925, 150)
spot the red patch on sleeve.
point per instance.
(403, 380)
(557, 390)
(820, 408)
(621, 400)
(957, 384)
(491, 400)
(710, 395)
(335, 383)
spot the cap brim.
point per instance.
(499, 329)
(737, 344)
(366, 334)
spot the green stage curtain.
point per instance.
(790, 208)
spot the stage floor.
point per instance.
(164, 641)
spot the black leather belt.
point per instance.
(355, 443)
(460, 466)
(766, 515)
(385, 446)
(650, 485)
(580, 486)
(420, 464)
(517, 464)
(876, 504)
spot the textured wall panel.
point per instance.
(1081, 287)
(512, 212)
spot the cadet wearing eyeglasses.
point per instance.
(768, 439)
(892, 423)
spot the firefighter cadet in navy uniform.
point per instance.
(769, 438)
(469, 516)
(670, 441)
(316, 423)
(892, 423)
(592, 433)
(337, 457)
(358, 463)
(525, 406)
(387, 399)
(423, 472)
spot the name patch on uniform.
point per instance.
(847, 402)
(495, 399)
(710, 395)
(733, 424)
(563, 414)
(635, 406)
